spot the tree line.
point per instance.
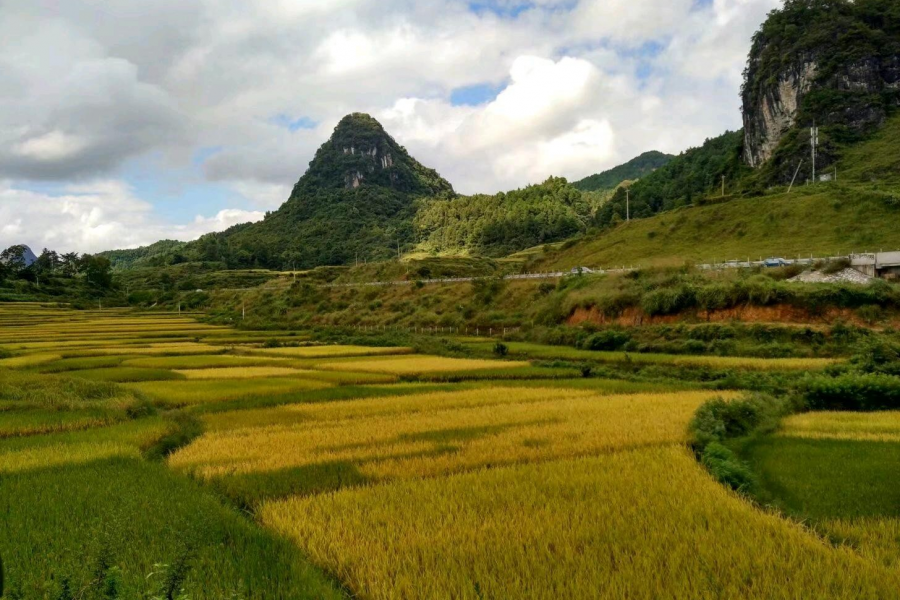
(95, 270)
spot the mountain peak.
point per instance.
(360, 153)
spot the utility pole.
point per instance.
(723, 186)
(243, 310)
(814, 142)
(795, 176)
(627, 205)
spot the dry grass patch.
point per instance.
(646, 524)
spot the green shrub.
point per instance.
(609, 339)
(719, 420)
(501, 349)
(668, 301)
(725, 466)
(854, 392)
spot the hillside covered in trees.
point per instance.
(686, 178)
(636, 168)
(499, 224)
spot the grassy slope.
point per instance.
(852, 215)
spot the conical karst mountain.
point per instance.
(356, 200)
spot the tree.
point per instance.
(14, 259)
(69, 264)
(97, 271)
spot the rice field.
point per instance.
(140, 445)
(418, 365)
(201, 391)
(838, 471)
(873, 427)
(437, 434)
(641, 524)
(332, 351)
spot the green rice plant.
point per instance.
(28, 360)
(147, 527)
(32, 390)
(76, 364)
(125, 374)
(42, 421)
(185, 393)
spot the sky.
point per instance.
(123, 122)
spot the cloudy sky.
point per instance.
(126, 121)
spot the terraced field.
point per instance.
(159, 457)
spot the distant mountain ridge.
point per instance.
(635, 168)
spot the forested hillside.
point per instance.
(503, 223)
(158, 253)
(636, 168)
(692, 175)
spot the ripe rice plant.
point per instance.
(332, 351)
(872, 537)
(418, 365)
(240, 373)
(203, 361)
(153, 349)
(428, 435)
(642, 524)
(870, 426)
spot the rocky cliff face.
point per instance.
(361, 153)
(772, 108)
(835, 62)
(773, 112)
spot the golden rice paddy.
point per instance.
(239, 372)
(436, 434)
(555, 488)
(415, 365)
(642, 524)
(332, 351)
(874, 427)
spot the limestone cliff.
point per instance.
(834, 62)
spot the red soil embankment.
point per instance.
(780, 313)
